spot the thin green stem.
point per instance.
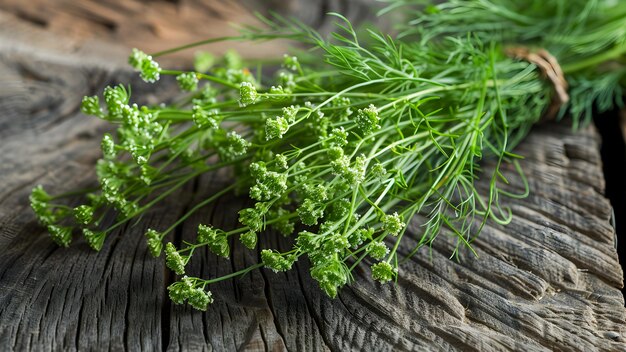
(205, 202)
(196, 44)
(232, 275)
(595, 60)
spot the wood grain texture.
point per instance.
(163, 24)
(548, 281)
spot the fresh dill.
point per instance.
(342, 153)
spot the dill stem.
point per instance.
(198, 206)
(203, 76)
(594, 60)
(195, 44)
(232, 275)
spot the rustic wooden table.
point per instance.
(549, 281)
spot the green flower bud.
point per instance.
(39, 203)
(379, 171)
(108, 146)
(235, 146)
(155, 243)
(131, 116)
(383, 272)
(277, 93)
(357, 237)
(342, 105)
(247, 94)
(290, 112)
(377, 250)
(249, 239)
(339, 209)
(203, 118)
(91, 106)
(206, 234)
(136, 58)
(62, 235)
(94, 238)
(276, 261)
(306, 241)
(392, 224)
(238, 76)
(38, 194)
(140, 153)
(276, 127)
(341, 165)
(310, 211)
(318, 192)
(367, 119)
(179, 291)
(290, 62)
(286, 81)
(220, 246)
(270, 185)
(331, 274)
(207, 96)
(252, 218)
(357, 171)
(216, 240)
(150, 70)
(115, 99)
(338, 137)
(187, 289)
(148, 173)
(335, 153)
(174, 260)
(83, 214)
(199, 299)
(281, 162)
(187, 81)
(335, 244)
(127, 209)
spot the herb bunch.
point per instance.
(341, 155)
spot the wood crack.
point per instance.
(314, 314)
(270, 304)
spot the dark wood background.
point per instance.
(549, 281)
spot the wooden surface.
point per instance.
(154, 25)
(548, 281)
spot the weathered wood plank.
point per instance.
(158, 25)
(548, 281)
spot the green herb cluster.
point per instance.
(341, 155)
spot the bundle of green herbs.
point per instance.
(342, 153)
